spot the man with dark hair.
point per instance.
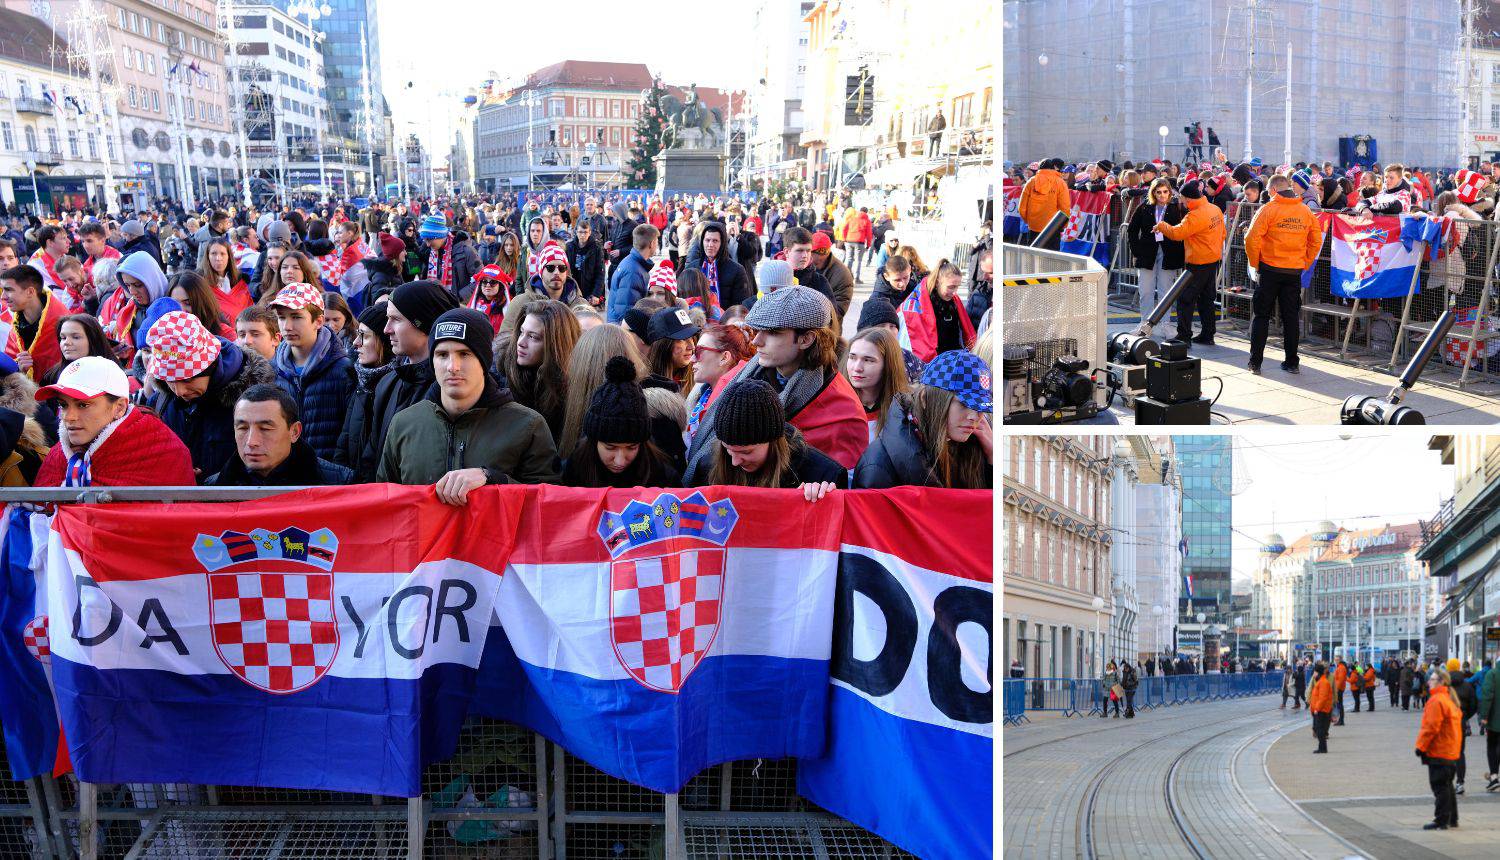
(94, 238)
(410, 314)
(586, 259)
(622, 238)
(53, 244)
(216, 227)
(10, 257)
(33, 312)
(628, 284)
(798, 252)
(269, 446)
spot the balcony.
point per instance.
(1431, 528)
(40, 157)
(26, 104)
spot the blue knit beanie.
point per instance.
(1303, 179)
(434, 226)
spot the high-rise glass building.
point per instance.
(1205, 464)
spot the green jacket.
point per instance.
(1489, 699)
(510, 441)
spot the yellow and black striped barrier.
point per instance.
(1031, 282)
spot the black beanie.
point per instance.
(373, 318)
(617, 411)
(878, 310)
(423, 302)
(748, 413)
(638, 321)
(1192, 190)
(471, 328)
(1243, 174)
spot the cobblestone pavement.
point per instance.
(1372, 790)
(1180, 782)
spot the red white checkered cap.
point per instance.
(296, 296)
(663, 277)
(551, 253)
(87, 378)
(181, 348)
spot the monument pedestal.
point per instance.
(689, 170)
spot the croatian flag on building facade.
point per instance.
(656, 633)
(1087, 230)
(313, 646)
(1378, 257)
(911, 721)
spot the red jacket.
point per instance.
(45, 353)
(139, 452)
(237, 299)
(921, 322)
(859, 229)
(834, 422)
(88, 265)
(117, 314)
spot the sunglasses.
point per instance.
(554, 269)
(699, 350)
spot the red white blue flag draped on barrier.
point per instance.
(1378, 257)
(1087, 230)
(337, 638)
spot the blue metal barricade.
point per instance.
(1013, 699)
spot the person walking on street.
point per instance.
(1439, 745)
(1129, 680)
(1320, 703)
(1292, 684)
(1201, 232)
(1107, 684)
(1392, 677)
(1489, 726)
(1408, 683)
(1299, 679)
(1283, 241)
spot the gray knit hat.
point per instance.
(133, 229)
(794, 307)
(772, 275)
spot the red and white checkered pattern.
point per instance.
(551, 252)
(1469, 185)
(276, 631)
(663, 278)
(664, 614)
(37, 640)
(296, 296)
(1456, 347)
(181, 348)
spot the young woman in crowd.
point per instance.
(720, 353)
(614, 447)
(693, 287)
(937, 436)
(876, 371)
(536, 237)
(193, 293)
(270, 269)
(373, 361)
(670, 337)
(294, 268)
(226, 281)
(940, 322)
(78, 335)
(338, 317)
(586, 372)
(509, 261)
(753, 446)
(491, 292)
(535, 366)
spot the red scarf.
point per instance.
(442, 272)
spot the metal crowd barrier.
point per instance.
(1087, 697)
(505, 793)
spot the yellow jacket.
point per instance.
(1285, 234)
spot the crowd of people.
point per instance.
(1176, 217)
(468, 341)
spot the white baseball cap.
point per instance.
(87, 378)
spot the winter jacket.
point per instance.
(1201, 232)
(409, 383)
(1468, 697)
(237, 299)
(206, 425)
(381, 275)
(136, 451)
(1141, 237)
(355, 434)
(322, 389)
(43, 348)
(1489, 701)
(301, 468)
(146, 244)
(465, 262)
(586, 263)
(734, 286)
(1128, 678)
(508, 440)
(627, 285)
(1320, 697)
(1285, 234)
(840, 283)
(1441, 735)
(808, 465)
(748, 253)
(920, 317)
(894, 294)
(897, 457)
(1044, 195)
(571, 294)
(1340, 677)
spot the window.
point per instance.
(156, 101)
(151, 64)
(73, 143)
(583, 107)
(7, 135)
(31, 138)
(129, 59)
(132, 95)
(109, 146)
(1495, 116)
(53, 144)
(93, 145)
(614, 108)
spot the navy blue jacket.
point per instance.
(627, 285)
(206, 425)
(323, 390)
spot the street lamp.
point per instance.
(1239, 620)
(531, 100)
(1098, 607)
(1163, 132)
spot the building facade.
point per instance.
(779, 45)
(1057, 542)
(1206, 466)
(277, 68)
(53, 137)
(1462, 548)
(1158, 515)
(1104, 91)
(1125, 482)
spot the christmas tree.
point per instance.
(650, 128)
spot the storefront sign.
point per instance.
(1359, 544)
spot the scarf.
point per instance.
(711, 269)
(699, 407)
(79, 472)
(441, 270)
(366, 378)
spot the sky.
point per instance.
(1288, 481)
(453, 45)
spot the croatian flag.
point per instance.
(33, 743)
(657, 633)
(1012, 224)
(295, 642)
(1087, 230)
(1378, 257)
(911, 721)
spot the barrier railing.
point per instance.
(506, 792)
(1087, 696)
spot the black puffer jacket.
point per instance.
(894, 294)
(356, 432)
(896, 458)
(734, 287)
(407, 384)
(382, 275)
(301, 468)
(206, 425)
